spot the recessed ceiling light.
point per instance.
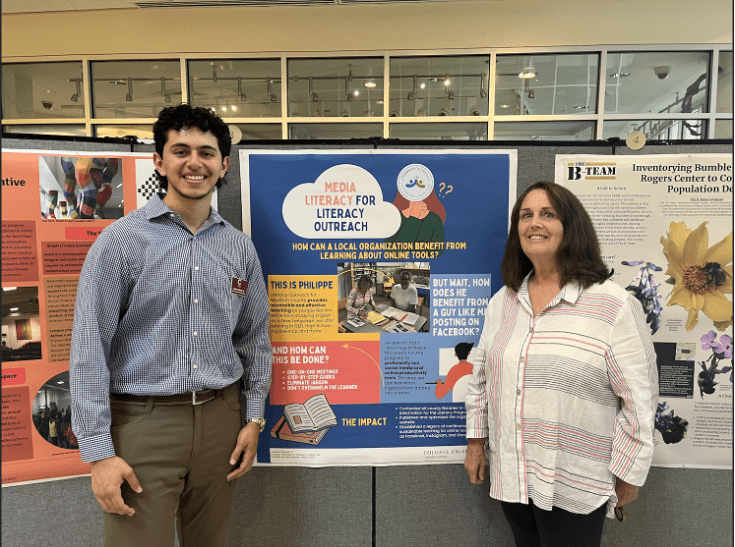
(580, 107)
(13, 309)
(370, 83)
(620, 75)
(527, 73)
(504, 106)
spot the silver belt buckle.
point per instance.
(194, 401)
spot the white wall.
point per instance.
(356, 28)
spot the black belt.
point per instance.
(191, 397)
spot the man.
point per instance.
(458, 371)
(171, 326)
(404, 296)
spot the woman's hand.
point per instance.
(625, 491)
(474, 461)
(417, 209)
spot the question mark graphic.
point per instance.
(449, 190)
(441, 188)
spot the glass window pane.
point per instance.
(723, 129)
(134, 89)
(57, 129)
(546, 84)
(260, 131)
(439, 131)
(439, 86)
(319, 131)
(252, 87)
(43, 90)
(658, 82)
(724, 82)
(544, 131)
(335, 87)
(655, 130)
(140, 131)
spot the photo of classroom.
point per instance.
(383, 297)
(21, 324)
(52, 412)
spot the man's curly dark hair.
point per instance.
(185, 116)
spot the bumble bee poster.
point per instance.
(664, 223)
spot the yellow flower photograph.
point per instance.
(701, 275)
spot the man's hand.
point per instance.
(474, 461)
(626, 492)
(107, 477)
(247, 445)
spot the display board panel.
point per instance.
(387, 388)
(665, 225)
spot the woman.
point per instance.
(420, 221)
(359, 300)
(564, 385)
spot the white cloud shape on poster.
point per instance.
(345, 202)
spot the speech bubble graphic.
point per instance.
(345, 202)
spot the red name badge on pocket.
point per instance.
(239, 286)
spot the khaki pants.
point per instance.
(180, 453)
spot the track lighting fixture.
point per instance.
(75, 96)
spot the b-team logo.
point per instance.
(591, 170)
(415, 182)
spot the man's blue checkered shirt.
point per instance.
(155, 315)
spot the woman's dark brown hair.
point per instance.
(364, 283)
(578, 257)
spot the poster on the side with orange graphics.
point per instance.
(54, 205)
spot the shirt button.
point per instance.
(194, 366)
(523, 359)
(520, 457)
(195, 333)
(172, 215)
(518, 391)
(196, 301)
(196, 268)
(518, 427)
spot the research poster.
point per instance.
(54, 205)
(665, 224)
(379, 266)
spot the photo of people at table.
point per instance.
(390, 297)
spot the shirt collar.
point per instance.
(156, 208)
(569, 292)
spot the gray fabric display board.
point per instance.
(383, 506)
